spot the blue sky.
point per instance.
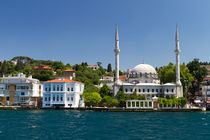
(75, 31)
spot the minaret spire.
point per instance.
(117, 52)
(177, 52)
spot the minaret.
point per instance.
(179, 89)
(177, 52)
(117, 52)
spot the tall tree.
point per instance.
(3, 68)
(19, 66)
(198, 72)
(109, 68)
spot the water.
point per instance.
(60, 124)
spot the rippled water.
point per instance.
(60, 124)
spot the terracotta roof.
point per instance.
(68, 70)
(62, 80)
(92, 66)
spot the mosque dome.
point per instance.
(144, 68)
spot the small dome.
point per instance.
(144, 68)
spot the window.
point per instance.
(139, 90)
(53, 98)
(133, 104)
(146, 104)
(53, 88)
(167, 90)
(153, 90)
(156, 90)
(61, 98)
(49, 98)
(57, 97)
(68, 89)
(72, 89)
(129, 104)
(131, 90)
(143, 90)
(160, 90)
(172, 90)
(68, 99)
(45, 89)
(137, 104)
(49, 89)
(22, 93)
(72, 98)
(57, 88)
(45, 99)
(142, 104)
(126, 90)
(150, 104)
(147, 90)
(61, 88)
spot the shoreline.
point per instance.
(105, 109)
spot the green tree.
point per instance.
(198, 72)
(109, 68)
(105, 91)
(109, 101)
(3, 68)
(92, 98)
(58, 65)
(90, 88)
(122, 97)
(181, 101)
(19, 66)
(134, 96)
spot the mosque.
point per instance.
(143, 78)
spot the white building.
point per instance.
(18, 90)
(64, 93)
(143, 78)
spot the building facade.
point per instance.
(19, 90)
(68, 74)
(143, 79)
(64, 93)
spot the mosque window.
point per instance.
(147, 90)
(156, 90)
(137, 104)
(167, 90)
(129, 104)
(143, 90)
(172, 90)
(142, 104)
(131, 90)
(133, 104)
(150, 104)
(153, 90)
(139, 90)
(126, 90)
(146, 104)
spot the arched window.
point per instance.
(126, 90)
(139, 90)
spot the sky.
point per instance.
(75, 31)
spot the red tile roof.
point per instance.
(92, 66)
(62, 80)
(68, 70)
